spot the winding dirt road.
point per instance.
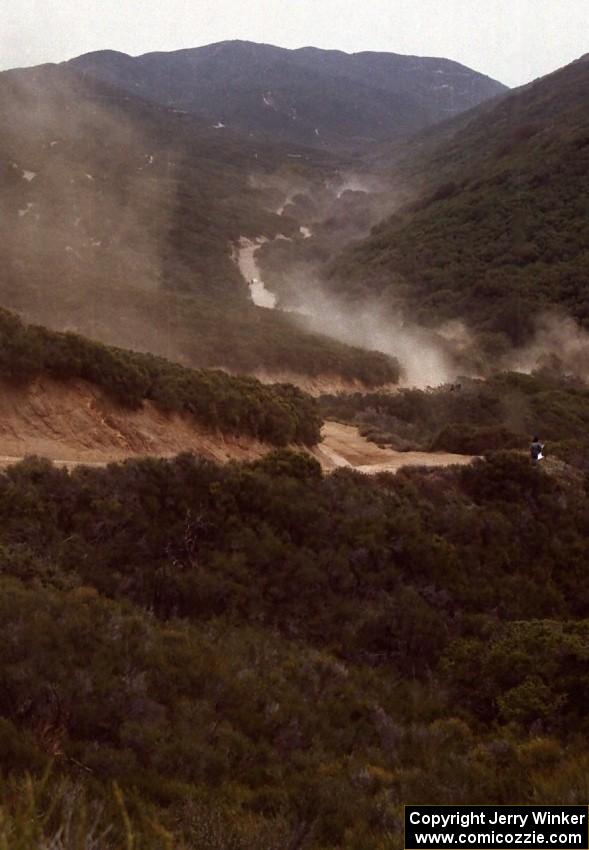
(75, 424)
(342, 446)
(248, 267)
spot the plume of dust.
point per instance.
(90, 227)
(70, 143)
(559, 343)
(427, 357)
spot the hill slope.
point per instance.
(500, 228)
(98, 182)
(118, 220)
(279, 414)
(320, 98)
(259, 657)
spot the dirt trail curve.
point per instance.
(343, 445)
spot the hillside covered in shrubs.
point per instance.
(498, 230)
(279, 414)
(258, 656)
(474, 416)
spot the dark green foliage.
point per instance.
(256, 652)
(530, 672)
(508, 477)
(499, 230)
(279, 414)
(472, 440)
(287, 462)
(276, 541)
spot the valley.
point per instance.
(139, 253)
(277, 327)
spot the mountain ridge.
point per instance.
(320, 98)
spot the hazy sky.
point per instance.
(511, 40)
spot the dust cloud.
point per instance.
(426, 357)
(559, 344)
(431, 357)
(84, 243)
(79, 201)
(86, 212)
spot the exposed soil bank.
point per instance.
(76, 422)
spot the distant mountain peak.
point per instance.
(106, 54)
(340, 100)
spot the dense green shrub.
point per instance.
(475, 416)
(531, 672)
(259, 655)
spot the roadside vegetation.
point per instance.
(475, 416)
(257, 656)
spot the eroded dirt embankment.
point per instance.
(76, 422)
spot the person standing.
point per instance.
(536, 450)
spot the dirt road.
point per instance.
(76, 424)
(344, 446)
